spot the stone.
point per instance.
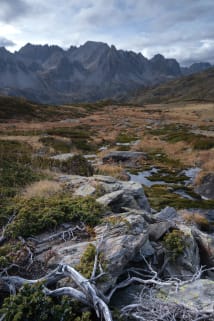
(62, 157)
(115, 193)
(157, 230)
(110, 198)
(188, 263)
(85, 190)
(121, 242)
(168, 213)
(126, 157)
(206, 246)
(206, 186)
(195, 295)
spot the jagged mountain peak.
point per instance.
(38, 52)
(92, 71)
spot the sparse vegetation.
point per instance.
(174, 243)
(86, 265)
(199, 219)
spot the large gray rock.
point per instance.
(114, 193)
(168, 213)
(197, 295)
(206, 245)
(206, 187)
(157, 230)
(126, 157)
(63, 157)
(121, 243)
(188, 262)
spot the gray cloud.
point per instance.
(6, 42)
(180, 29)
(13, 9)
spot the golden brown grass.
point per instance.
(116, 171)
(196, 218)
(43, 188)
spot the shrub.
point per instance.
(76, 165)
(174, 243)
(36, 215)
(86, 265)
(59, 145)
(15, 167)
(31, 304)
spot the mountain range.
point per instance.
(93, 71)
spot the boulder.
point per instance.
(206, 246)
(197, 295)
(206, 187)
(121, 242)
(128, 158)
(114, 193)
(168, 213)
(62, 157)
(188, 262)
(157, 230)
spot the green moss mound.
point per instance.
(37, 215)
(31, 304)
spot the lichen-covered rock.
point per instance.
(206, 186)
(121, 242)
(188, 262)
(168, 213)
(197, 295)
(206, 245)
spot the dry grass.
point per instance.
(196, 218)
(116, 171)
(43, 188)
(31, 140)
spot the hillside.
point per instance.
(199, 87)
(91, 72)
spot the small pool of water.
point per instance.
(143, 178)
(191, 173)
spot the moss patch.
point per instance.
(37, 215)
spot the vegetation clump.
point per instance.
(76, 165)
(174, 243)
(32, 304)
(86, 264)
(15, 167)
(36, 215)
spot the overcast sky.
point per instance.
(181, 29)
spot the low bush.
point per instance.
(31, 304)
(76, 165)
(174, 243)
(86, 265)
(36, 215)
(15, 167)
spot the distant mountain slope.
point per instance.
(199, 86)
(93, 71)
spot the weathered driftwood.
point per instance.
(87, 293)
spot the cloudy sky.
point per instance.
(182, 29)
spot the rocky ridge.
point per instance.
(93, 71)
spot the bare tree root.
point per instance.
(87, 292)
(149, 308)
